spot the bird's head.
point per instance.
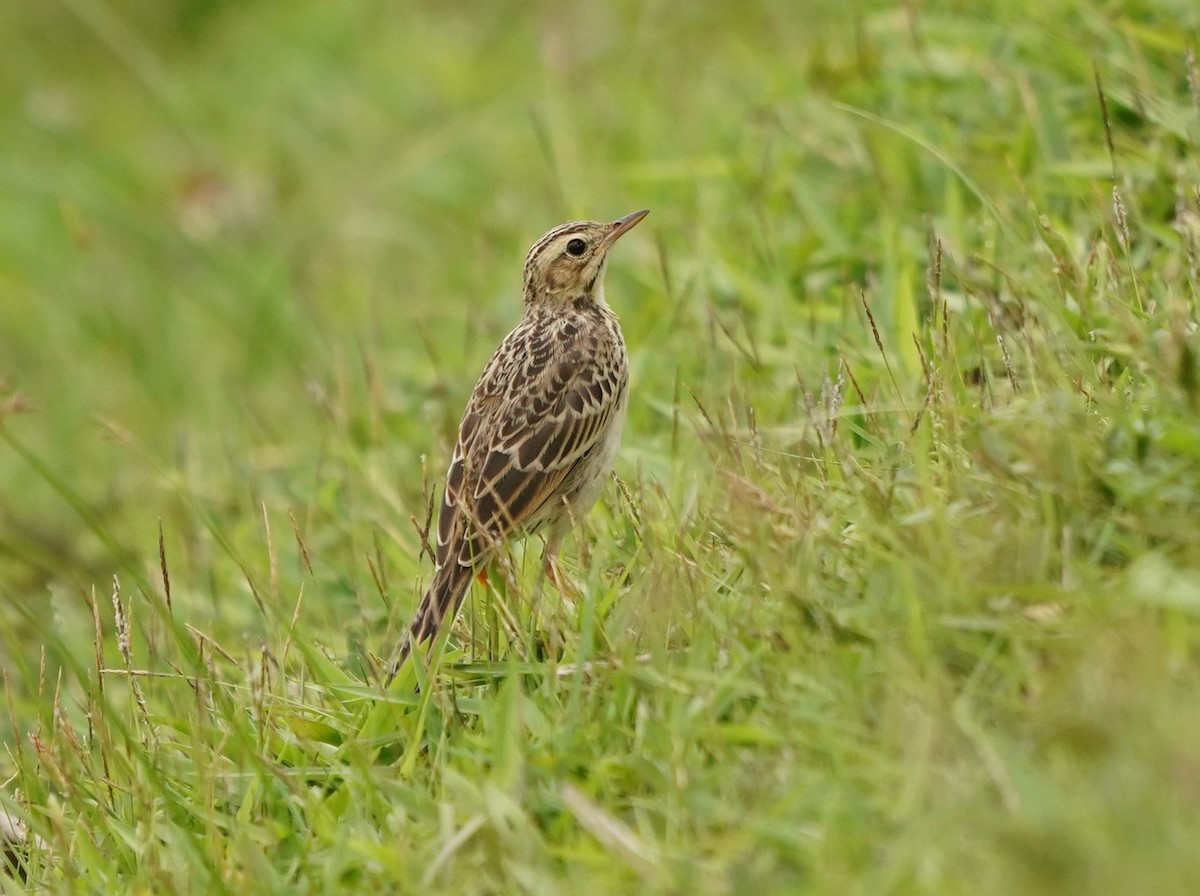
(568, 262)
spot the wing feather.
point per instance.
(525, 430)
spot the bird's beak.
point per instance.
(623, 225)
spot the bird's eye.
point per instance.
(576, 247)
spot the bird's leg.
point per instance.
(550, 568)
(551, 573)
(545, 642)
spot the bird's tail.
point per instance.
(442, 600)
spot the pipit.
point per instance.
(541, 428)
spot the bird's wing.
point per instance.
(534, 415)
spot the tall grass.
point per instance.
(897, 591)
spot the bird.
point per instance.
(540, 431)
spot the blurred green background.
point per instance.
(253, 256)
(234, 234)
(249, 247)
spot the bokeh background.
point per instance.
(236, 235)
(910, 472)
(248, 249)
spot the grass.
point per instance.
(899, 591)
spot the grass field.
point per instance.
(898, 592)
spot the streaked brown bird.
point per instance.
(541, 429)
